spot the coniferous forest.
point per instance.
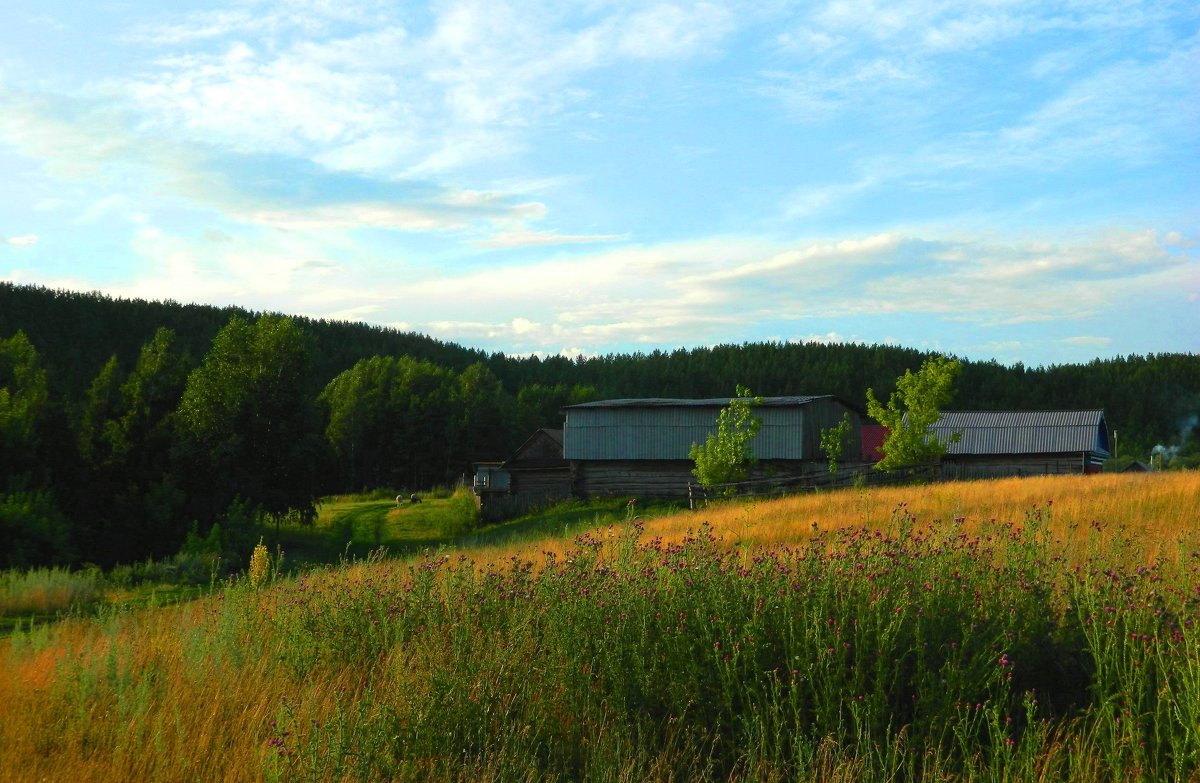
(127, 425)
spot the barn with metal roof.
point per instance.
(981, 444)
(640, 446)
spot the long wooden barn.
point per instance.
(640, 446)
(1022, 443)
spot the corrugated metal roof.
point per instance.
(665, 429)
(1023, 432)
(711, 402)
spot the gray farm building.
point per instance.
(1022, 443)
(640, 446)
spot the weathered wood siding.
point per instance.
(540, 486)
(639, 478)
(1002, 466)
(670, 478)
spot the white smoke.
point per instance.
(1187, 427)
(1161, 455)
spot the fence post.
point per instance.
(691, 497)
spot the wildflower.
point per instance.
(260, 565)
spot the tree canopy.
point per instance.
(911, 410)
(247, 428)
(724, 457)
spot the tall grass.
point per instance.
(918, 647)
(44, 591)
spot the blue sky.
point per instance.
(1004, 179)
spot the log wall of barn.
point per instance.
(1012, 465)
(542, 485)
(670, 478)
(662, 478)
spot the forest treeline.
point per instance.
(129, 428)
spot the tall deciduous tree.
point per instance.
(24, 398)
(540, 405)
(247, 426)
(726, 454)
(32, 528)
(483, 417)
(130, 504)
(911, 410)
(391, 422)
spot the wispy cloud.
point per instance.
(389, 98)
(510, 239)
(22, 241)
(91, 144)
(1089, 340)
(429, 216)
(588, 298)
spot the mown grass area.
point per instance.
(562, 521)
(990, 631)
(350, 527)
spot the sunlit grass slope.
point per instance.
(1008, 630)
(1153, 512)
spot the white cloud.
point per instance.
(381, 97)
(22, 241)
(354, 314)
(668, 31)
(87, 144)
(429, 216)
(525, 326)
(811, 201)
(829, 338)
(1088, 340)
(276, 273)
(542, 238)
(636, 294)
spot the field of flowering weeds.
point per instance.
(964, 648)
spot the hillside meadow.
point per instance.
(1033, 629)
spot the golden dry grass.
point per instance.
(198, 711)
(1158, 512)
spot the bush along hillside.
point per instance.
(965, 648)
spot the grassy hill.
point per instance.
(1035, 629)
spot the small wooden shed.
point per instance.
(537, 470)
(535, 475)
(640, 446)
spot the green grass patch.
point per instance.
(566, 519)
(353, 526)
